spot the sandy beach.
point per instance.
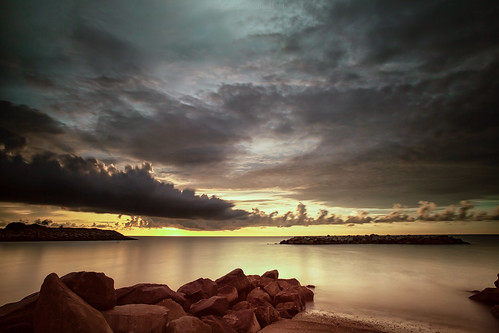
(320, 321)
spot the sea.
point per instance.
(426, 285)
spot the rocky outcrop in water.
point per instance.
(20, 232)
(489, 296)
(88, 302)
(375, 239)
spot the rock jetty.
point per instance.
(88, 302)
(20, 232)
(375, 239)
(489, 296)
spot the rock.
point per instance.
(273, 274)
(228, 292)
(18, 316)
(147, 293)
(259, 294)
(287, 309)
(488, 295)
(237, 279)
(254, 280)
(175, 310)
(272, 289)
(218, 325)
(215, 305)
(306, 294)
(495, 311)
(265, 313)
(243, 321)
(286, 296)
(188, 324)
(137, 318)
(198, 289)
(243, 305)
(94, 288)
(285, 284)
(60, 310)
(496, 282)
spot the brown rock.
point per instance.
(96, 289)
(60, 310)
(265, 313)
(306, 295)
(137, 318)
(188, 324)
(175, 310)
(254, 280)
(272, 289)
(228, 292)
(218, 325)
(18, 316)
(198, 289)
(215, 305)
(243, 305)
(237, 279)
(258, 294)
(488, 295)
(274, 274)
(496, 282)
(495, 311)
(147, 293)
(288, 296)
(243, 321)
(285, 284)
(287, 309)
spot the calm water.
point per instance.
(403, 282)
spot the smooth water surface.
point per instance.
(427, 283)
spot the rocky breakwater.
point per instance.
(88, 302)
(375, 239)
(489, 296)
(20, 232)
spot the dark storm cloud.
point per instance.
(89, 185)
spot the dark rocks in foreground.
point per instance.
(489, 296)
(375, 239)
(20, 232)
(88, 302)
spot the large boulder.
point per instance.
(96, 289)
(265, 313)
(272, 288)
(496, 282)
(218, 325)
(215, 305)
(243, 305)
(175, 310)
(273, 274)
(254, 280)
(228, 292)
(287, 309)
(288, 296)
(237, 279)
(60, 310)
(243, 321)
(198, 289)
(188, 324)
(258, 294)
(137, 318)
(18, 317)
(286, 284)
(488, 295)
(147, 293)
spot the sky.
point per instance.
(251, 117)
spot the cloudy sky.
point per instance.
(211, 115)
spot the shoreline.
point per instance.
(375, 239)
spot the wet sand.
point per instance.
(319, 321)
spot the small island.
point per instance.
(20, 232)
(375, 239)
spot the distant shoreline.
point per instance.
(375, 239)
(20, 232)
